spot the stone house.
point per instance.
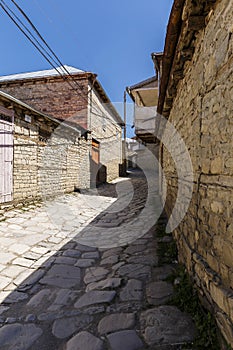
(133, 149)
(76, 97)
(196, 93)
(39, 157)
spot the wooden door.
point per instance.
(6, 155)
(95, 161)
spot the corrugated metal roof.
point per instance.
(42, 73)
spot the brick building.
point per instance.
(76, 97)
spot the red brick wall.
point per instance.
(54, 97)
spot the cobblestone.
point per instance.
(70, 284)
(109, 283)
(94, 274)
(159, 326)
(84, 340)
(65, 327)
(94, 297)
(125, 340)
(159, 292)
(17, 336)
(132, 291)
(116, 322)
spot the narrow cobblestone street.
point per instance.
(60, 293)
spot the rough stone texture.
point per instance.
(116, 322)
(109, 283)
(84, 340)
(158, 293)
(15, 297)
(95, 297)
(18, 336)
(62, 276)
(132, 291)
(202, 114)
(85, 262)
(90, 255)
(51, 295)
(110, 260)
(167, 325)
(32, 180)
(94, 274)
(125, 340)
(135, 271)
(65, 327)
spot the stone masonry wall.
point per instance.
(108, 133)
(48, 160)
(56, 98)
(202, 114)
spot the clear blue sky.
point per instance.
(114, 39)
(111, 38)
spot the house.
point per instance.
(77, 97)
(145, 97)
(133, 148)
(39, 156)
(196, 90)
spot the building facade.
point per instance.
(196, 97)
(39, 157)
(75, 97)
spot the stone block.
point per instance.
(216, 166)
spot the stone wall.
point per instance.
(49, 159)
(55, 97)
(108, 133)
(202, 114)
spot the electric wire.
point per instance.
(10, 13)
(58, 60)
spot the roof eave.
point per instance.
(42, 78)
(173, 33)
(186, 20)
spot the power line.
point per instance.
(44, 41)
(50, 49)
(23, 25)
(40, 48)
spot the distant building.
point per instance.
(75, 96)
(133, 148)
(145, 96)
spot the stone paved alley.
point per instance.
(59, 292)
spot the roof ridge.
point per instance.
(43, 73)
